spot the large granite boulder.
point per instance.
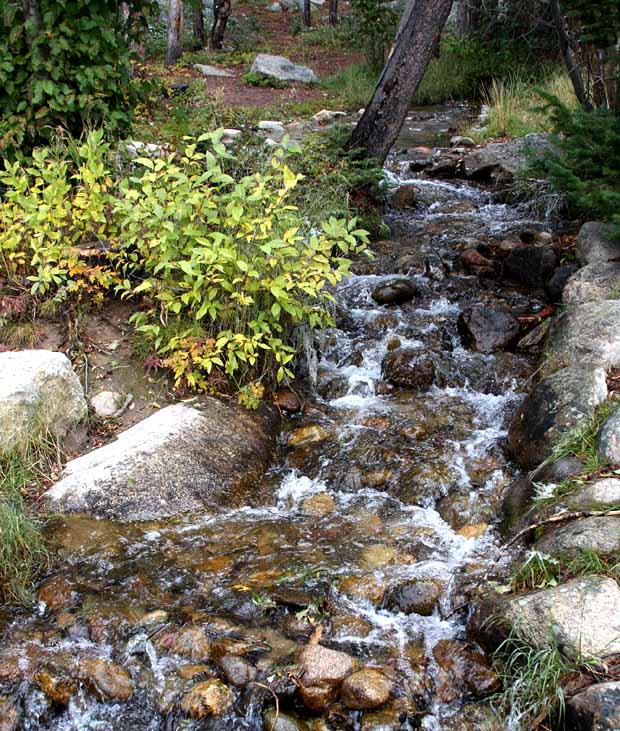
(278, 67)
(179, 459)
(597, 533)
(594, 283)
(505, 160)
(586, 334)
(609, 441)
(581, 616)
(595, 243)
(558, 404)
(39, 392)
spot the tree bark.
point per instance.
(415, 43)
(198, 24)
(333, 12)
(307, 14)
(570, 59)
(174, 48)
(32, 15)
(221, 12)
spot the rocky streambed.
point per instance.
(335, 587)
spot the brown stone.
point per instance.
(57, 688)
(367, 688)
(405, 196)
(187, 641)
(462, 668)
(321, 671)
(9, 716)
(311, 434)
(287, 401)
(209, 698)
(56, 593)
(107, 679)
(319, 505)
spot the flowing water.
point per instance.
(378, 487)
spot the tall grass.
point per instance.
(354, 85)
(515, 105)
(23, 554)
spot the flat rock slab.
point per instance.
(207, 70)
(508, 158)
(594, 283)
(595, 709)
(178, 460)
(279, 67)
(39, 391)
(557, 405)
(595, 243)
(582, 616)
(588, 333)
(599, 534)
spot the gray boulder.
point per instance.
(557, 405)
(586, 334)
(596, 708)
(177, 460)
(506, 159)
(207, 70)
(581, 616)
(599, 494)
(39, 391)
(278, 67)
(600, 534)
(609, 441)
(595, 282)
(595, 243)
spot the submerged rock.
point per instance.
(596, 708)
(487, 329)
(56, 593)
(557, 405)
(9, 715)
(409, 368)
(366, 688)
(278, 67)
(595, 243)
(109, 680)
(177, 460)
(463, 668)
(209, 698)
(39, 392)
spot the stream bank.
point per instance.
(344, 589)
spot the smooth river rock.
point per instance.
(586, 334)
(557, 405)
(279, 67)
(595, 243)
(39, 392)
(321, 672)
(179, 459)
(487, 329)
(367, 688)
(596, 708)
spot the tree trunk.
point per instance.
(570, 59)
(174, 48)
(333, 12)
(32, 15)
(221, 12)
(307, 14)
(198, 24)
(415, 43)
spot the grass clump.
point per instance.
(23, 554)
(353, 86)
(251, 78)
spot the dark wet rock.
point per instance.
(366, 688)
(535, 339)
(599, 534)
(419, 596)
(284, 722)
(237, 670)
(559, 470)
(479, 372)
(609, 441)
(108, 680)
(557, 405)
(594, 283)
(394, 292)
(179, 459)
(530, 266)
(584, 613)
(445, 167)
(595, 709)
(209, 698)
(409, 368)
(487, 329)
(404, 196)
(595, 243)
(463, 669)
(505, 160)
(586, 334)
(321, 672)
(56, 593)
(187, 641)
(287, 401)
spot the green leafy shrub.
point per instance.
(55, 213)
(69, 69)
(585, 169)
(227, 270)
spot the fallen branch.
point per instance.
(275, 697)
